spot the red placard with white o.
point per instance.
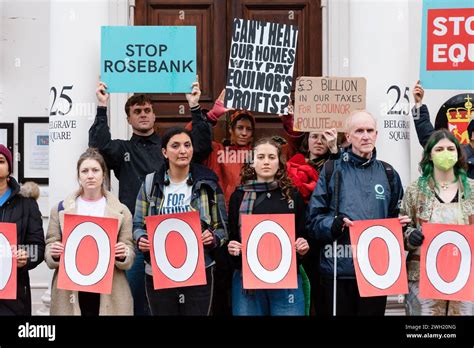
(268, 251)
(8, 270)
(176, 250)
(87, 263)
(447, 263)
(379, 257)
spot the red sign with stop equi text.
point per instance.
(450, 39)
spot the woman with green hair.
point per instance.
(443, 194)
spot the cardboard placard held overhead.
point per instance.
(261, 61)
(326, 102)
(8, 268)
(148, 59)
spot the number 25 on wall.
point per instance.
(54, 110)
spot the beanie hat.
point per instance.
(242, 114)
(8, 155)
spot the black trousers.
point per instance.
(191, 300)
(348, 301)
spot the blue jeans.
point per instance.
(266, 302)
(136, 280)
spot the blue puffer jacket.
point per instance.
(364, 195)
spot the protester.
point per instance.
(131, 160)
(197, 189)
(303, 170)
(265, 189)
(92, 199)
(22, 210)
(360, 178)
(442, 194)
(424, 128)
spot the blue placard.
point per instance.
(148, 59)
(442, 79)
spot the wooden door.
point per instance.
(213, 20)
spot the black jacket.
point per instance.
(424, 129)
(275, 204)
(25, 213)
(131, 160)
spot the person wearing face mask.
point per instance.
(265, 189)
(442, 194)
(424, 128)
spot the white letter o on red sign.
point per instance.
(283, 268)
(70, 251)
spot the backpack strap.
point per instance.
(329, 167)
(389, 171)
(149, 190)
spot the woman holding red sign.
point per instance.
(265, 189)
(92, 199)
(177, 187)
(443, 194)
(21, 209)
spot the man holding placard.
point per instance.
(356, 177)
(131, 160)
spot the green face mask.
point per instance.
(445, 160)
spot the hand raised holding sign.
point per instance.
(418, 94)
(102, 95)
(331, 139)
(193, 97)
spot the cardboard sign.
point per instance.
(268, 251)
(379, 258)
(446, 262)
(447, 44)
(87, 263)
(326, 102)
(8, 268)
(176, 250)
(261, 61)
(148, 59)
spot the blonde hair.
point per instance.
(93, 154)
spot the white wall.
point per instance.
(24, 81)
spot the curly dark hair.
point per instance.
(248, 171)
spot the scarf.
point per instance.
(318, 162)
(251, 188)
